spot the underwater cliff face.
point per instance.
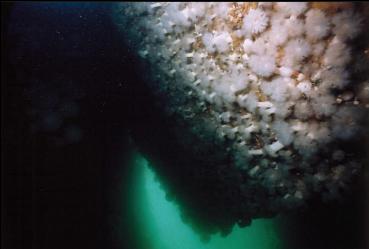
(76, 108)
(264, 97)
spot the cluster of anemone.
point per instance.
(272, 78)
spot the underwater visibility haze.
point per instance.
(185, 125)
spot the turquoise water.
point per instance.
(159, 226)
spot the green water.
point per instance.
(158, 224)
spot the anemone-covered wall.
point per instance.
(267, 102)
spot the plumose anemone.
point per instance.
(266, 105)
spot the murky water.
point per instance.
(77, 173)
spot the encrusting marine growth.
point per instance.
(271, 83)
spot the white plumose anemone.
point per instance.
(297, 49)
(255, 22)
(292, 8)
(346, 24)
(317, 24)
(263, 65)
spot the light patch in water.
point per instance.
(159, 224)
